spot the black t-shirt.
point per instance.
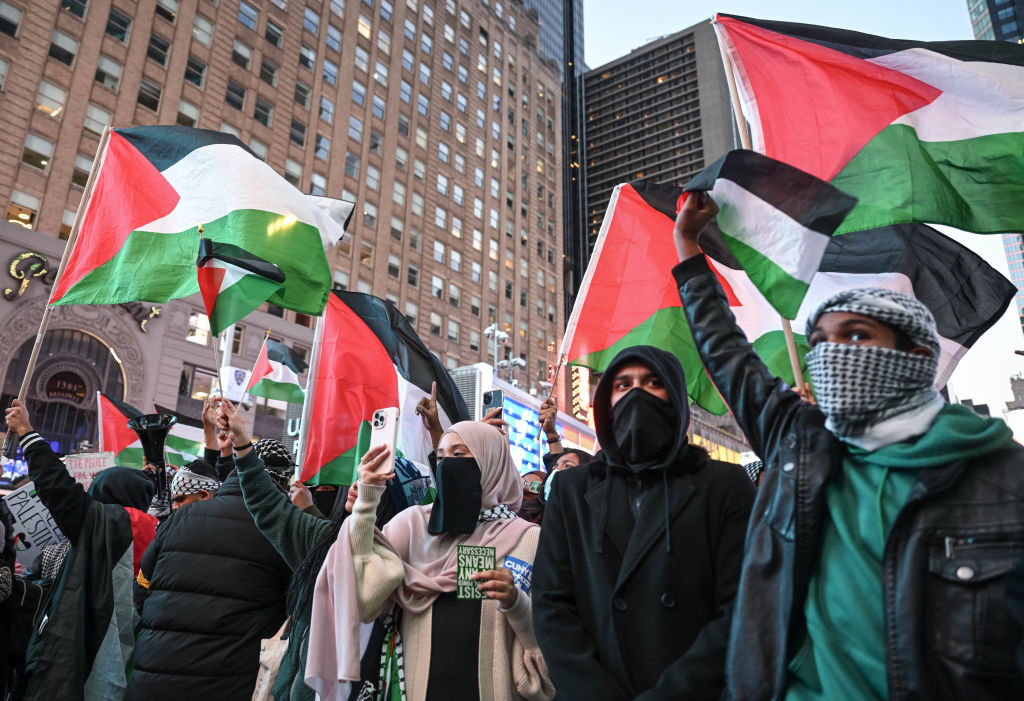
(454, 649)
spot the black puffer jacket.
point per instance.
(949, 634)
(637, 608)
(216, 586)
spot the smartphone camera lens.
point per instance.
(488, 396)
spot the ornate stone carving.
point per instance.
(108, 324)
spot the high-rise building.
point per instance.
(552, 16)
(660, 113)
(1003, 20)
(437, 117)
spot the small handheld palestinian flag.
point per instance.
(628, 296)
(276, 375)
(183, 444)
(918, 131)
(233, 282)
(776, 220)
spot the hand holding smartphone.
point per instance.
(384, 432)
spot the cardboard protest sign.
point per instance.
(472, 559)
(84, 466)
(33, 524)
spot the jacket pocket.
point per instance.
(966, 613)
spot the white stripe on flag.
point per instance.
(979, 98)
(206, 195)
(746, 217)
(413, 438)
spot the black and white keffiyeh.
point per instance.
(857, 387)
(277, 459)
(186, 482)
(497, 513)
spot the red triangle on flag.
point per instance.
(114, 427)
(262, 367)
(210, 279)
(129, 193)
(830, 103)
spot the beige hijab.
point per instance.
(430, 560)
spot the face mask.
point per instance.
(547, 485)
(323, 499)
(456, 507)
(645, 428)
(859, 386)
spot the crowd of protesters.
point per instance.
(875, 551)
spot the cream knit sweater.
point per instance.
(510, 663)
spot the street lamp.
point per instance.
(499, 337)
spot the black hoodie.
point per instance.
(637, 485)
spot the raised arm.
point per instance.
(378, 570)
(764, 405)
(65, 499)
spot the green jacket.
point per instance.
(293, 533)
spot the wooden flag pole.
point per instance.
(307, 406)
(741, 127)
(551, 389)
(83, 204)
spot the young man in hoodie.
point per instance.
(639, 554)
(887, 522)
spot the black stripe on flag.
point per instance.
(964, 293)
(809, 201)
(280, 353)
(868, 46)
(239, 257)
(413, 360)
(163, 146)
(183, 419)
(125, 408)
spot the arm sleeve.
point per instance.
(700, 672)
(568, 650)
(378, 569)
(65, 499)
(529, 671)
(764, 405)
(147, 566)
(292, 532)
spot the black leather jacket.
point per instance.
(947, 629)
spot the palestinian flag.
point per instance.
(184, 443)
(156, 186)
(233, 282)
(370, 358)
(628, 296)
(276, 374)
(775, 219)
(917, 131)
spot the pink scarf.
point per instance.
(429, 560)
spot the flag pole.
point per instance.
(83, 205)
(307, 406)
(741, 127)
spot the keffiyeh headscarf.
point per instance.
(277, 459)
(186, 482)
(857, 387)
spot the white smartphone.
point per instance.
(384, 431)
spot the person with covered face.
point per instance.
(640, 550)
(82, 645)
(887, 521)
(445, 647)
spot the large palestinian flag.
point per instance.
(184, 443)
(917, 131)
(369, 358)
(156, 185)
(628, 296)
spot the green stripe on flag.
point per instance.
(166, 263)
(283, 391)
(237, 300)
(971, 184)
(783, 291)
(343, 470)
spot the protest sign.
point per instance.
(84, 466)
(33, 524)
(472, 559)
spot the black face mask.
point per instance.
(644, 427)
(456, 508)
(323, 499)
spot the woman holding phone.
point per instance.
(445, 647)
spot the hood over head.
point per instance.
(123, 486)
(670, 370)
